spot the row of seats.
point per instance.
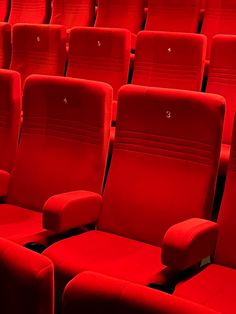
(149, 218)
(163, 15)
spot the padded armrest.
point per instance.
(70, 210)
(4, 182)
(188, 242)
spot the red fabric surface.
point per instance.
(72, 13)
(224, 159)
(4, 182)
(161, 60)
(187, 243)
(5, 45)
(26, 11)
(10, 117)
(4, 10)
(26, 284)
(94, 293)
(43, 51)
(173, 15)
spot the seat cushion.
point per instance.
(21, 225)
(104, 253)
(213, 287)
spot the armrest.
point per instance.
(70, 210)
(4, 182)
(188, 242)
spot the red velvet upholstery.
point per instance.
(43, 51)
(10, 115)
(100, 54)
(26, 285)
(72, 13)
(162, 172)
(121, 14)
(161, 60)
(220, 18)
(173, 15)
(63, 147)
(221, 80)
(4, 182)
(94, 293)
(5, 45)
(4, 10)
(28, 11)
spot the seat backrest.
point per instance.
(10, 116)
(173, 15)
(90, 293)
(64, 139)
(101, 54)
(72, 13)
(163, 59)
(28, 11)
(4, 10)
(5, 45)
(27, 280)
(38, 49)
(121, 14)
(225, 253)
(220, 18)
(164, 165)
(222, 78)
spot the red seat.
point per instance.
(5, 45)
(121, 14)
(161, 60)
(214, 286)
(26, 285)
(220, 18)
(91, 293)
(173, 15)
(27, 11)
(43, 51)
(4, 10)
(10, 112)
(101, 54)
(63, 147)
(163, 171)
(73, 12)
(221, 80)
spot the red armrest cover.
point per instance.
(4, 182)
(70, 210)
(188, 242)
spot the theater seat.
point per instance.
(43, 51)
(27, 11)
(221, 80)
(4, 10)
(163, 171)
(63, 148)
(173, 15)
(26, 285)
(101, 54)
(90, 293)
(71, 13)
(161, 60)
(121, 14)
(5, 45)
(10, 112)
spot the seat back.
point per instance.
(164, 166)
(64, 140)
(5, 45)
(222, 78)
(225, 254)
(4, 10)
(72, 13)
(27, 281)
(100, 54)
(28, 11)
(121, 14)
(173, 15)
(220, 18)
(161, 60)
(43, 51)
(10, 115)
